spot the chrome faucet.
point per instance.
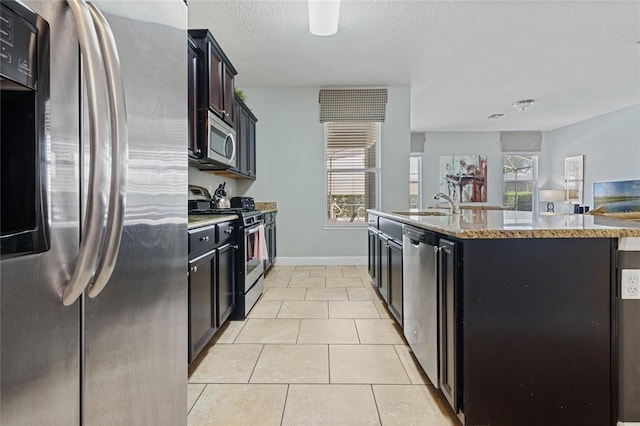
(455, 209)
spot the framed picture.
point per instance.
(617, 197)
(574, 178)
(464, 177)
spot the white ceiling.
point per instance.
(463, 60)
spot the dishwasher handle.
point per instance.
(419, 236)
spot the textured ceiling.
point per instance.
(464, 60)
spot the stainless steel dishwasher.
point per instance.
(420, 281)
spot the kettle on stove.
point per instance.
(220, 197)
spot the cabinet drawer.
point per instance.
(391, 228)
(201, 240)
(226, 232)
(372, 220)
(269, 218)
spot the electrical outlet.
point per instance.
(630, 284)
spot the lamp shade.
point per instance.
(323, 17)
(551, 195)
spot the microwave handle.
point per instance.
(96, 198)
(231, 139)
(119, 152)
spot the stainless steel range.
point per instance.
(250, 270)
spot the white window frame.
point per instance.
(327, 224)
(534, 189)
(417, 156)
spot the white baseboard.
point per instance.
(339, 260)
(628, 423)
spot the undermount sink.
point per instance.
(423, 213)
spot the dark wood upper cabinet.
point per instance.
(195, 148)
(228, 96)
(246, 140)
(214, 80)
(212, 88)
(217, 77)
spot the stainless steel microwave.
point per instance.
(221, 141)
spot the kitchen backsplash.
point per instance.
(211, 181)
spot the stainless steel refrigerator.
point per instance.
(93, 296)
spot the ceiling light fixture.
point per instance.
(523, 105)
(323, 17)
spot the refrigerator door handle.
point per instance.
(119, 153)
(90, 243)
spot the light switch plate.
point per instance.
(630, 284)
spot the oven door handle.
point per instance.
(119, 153)
(252, 230)
(89, 250)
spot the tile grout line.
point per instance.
(402, 364)
(355, 324)
(284, 406)
(279, 308)
(329, 361)
(196, 401)
(255, 365)
(375, 401)
(244, 322)
(299, 327)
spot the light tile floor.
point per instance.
(319, 348)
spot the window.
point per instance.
(415, 181)
(352, 162)
(520, 173)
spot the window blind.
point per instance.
(352, 105)
(521, 141)
(352, 169)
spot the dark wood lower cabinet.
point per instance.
(394, 252)
(450, 323)
(225, 283)
(202, 319)
(383, 269)
(270, 237)
(373, 257)
(537, 331)
(526, 326)
(211, 282)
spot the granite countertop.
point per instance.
(198, 221)
(483, 224)
(267, 206)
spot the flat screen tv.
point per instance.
(617, 197)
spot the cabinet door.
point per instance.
(192, 70)
(227, 96)
(383, 275)
(225, 284)
(273, 247)
(395, 280)
(371, 262)
(251, 144)
(243, 163)
(216, 90)
(202, 320)
(240, 154)
(449, 322)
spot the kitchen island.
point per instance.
(527, 309)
